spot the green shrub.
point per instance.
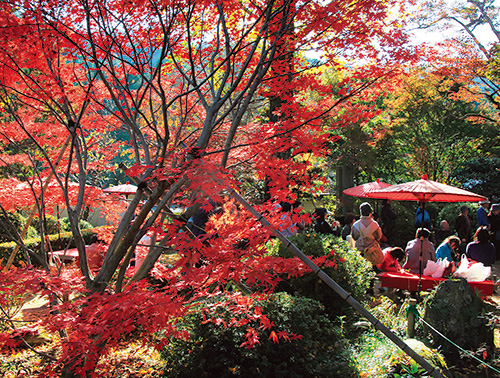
(51, 224)
(65, 226)
(57, 242)
(405, 222)
(351, 271)
(216, 351)
(14, 222)
(310, 244)
(54, 225)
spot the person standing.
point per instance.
(365, 231)
(388, 217)
(463, 227)
(422, 217)
(482, 213)
(494, 219)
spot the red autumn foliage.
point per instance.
(195, 96)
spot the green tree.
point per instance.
(429, 131)
(480, 175)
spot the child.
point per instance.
(393, 257)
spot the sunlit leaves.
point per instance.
(178, 92)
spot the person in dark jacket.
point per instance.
(442, 232)
(322, 226)
(199, 220)
(388, 217)
(482, 213)
(494, 219)
(422, 217)
(481, 250)
(463, 228)
(349, 220)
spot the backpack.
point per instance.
(374, 254)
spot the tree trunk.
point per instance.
(344, 180)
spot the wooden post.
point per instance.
(411, 318)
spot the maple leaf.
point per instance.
(273, 337)
(251, 338)
(284, 335)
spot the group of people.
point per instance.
(483, 246)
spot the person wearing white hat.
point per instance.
(482, 213)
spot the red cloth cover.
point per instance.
(409, 281)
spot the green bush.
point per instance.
(310, 244)
(57, 242)
(51, 224)
(65, 226)
(54, 225)
(17, 221)
(216, 351)
(405, 222)
(351, 271)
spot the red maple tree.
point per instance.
(201, 93)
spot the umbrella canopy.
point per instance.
(122, 189)
(365, 189)
(425, 190)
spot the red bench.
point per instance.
(66, 256)
(409, 281)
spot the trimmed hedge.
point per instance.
(350, 270)
(57, 241)
(17, 221)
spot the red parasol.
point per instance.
(365, 189)
(425, 190)
(122, 189)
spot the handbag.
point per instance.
(374, 254)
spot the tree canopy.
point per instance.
(189, 97)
